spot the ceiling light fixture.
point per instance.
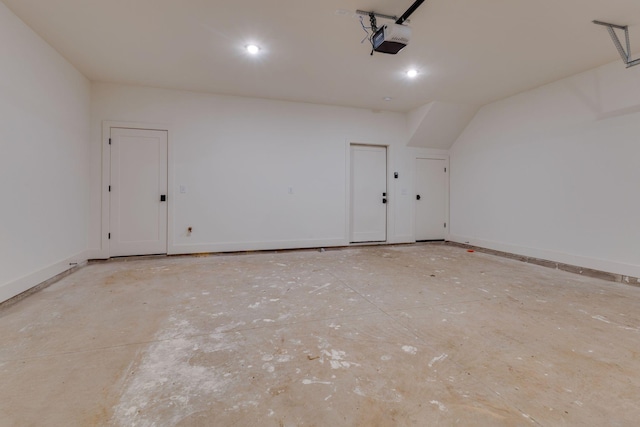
(412, 73)
(252, 49)
(387, 98)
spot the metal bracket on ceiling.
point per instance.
(372, 18)
(404, 18)
(377, 15)
(625, 54)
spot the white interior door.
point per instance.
(368, 194)
(138, 213)
(431, 197)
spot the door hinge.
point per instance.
(109, 236)
(109, 141)
(445, 225)
(445, 170)
(109, 189)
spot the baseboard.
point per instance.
(41, 278)
(255, 246)
(97, 254)
(602, 269)
(402, 239)
(195, 248)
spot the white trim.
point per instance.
(95, 254)
(18, 286)
(390, 231)
(391, 195)
(347, 192)
(407, 238)
(103, 252)
(256, 246)
(425, 153)
(546, 254)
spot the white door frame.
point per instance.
(390, 196)
(444, 157)
(106, 172)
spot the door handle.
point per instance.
(384, 200)
(163, 198)
(418, 197)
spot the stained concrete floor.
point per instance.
(423, 335)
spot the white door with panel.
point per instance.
(368, 194)
(431, 199)
(138, 192)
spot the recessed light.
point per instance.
(412, 73)
(252, 49)
(387, 98)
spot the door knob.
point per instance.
(384, 200)
(163, 198)
(418, 197)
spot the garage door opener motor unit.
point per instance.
(390, 38)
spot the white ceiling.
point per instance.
(468, 51)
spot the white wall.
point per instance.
(438, 125)
(238, 156)
(44, 134)
(553, 173)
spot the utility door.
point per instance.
(138, 192)
(368, 194)
(431, 198)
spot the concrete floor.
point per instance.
(420, 335)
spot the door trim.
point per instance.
(447, 202)
(103, 253)
(390, 234)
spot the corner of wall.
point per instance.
(49, 273)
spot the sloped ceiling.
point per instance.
(439, 124)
